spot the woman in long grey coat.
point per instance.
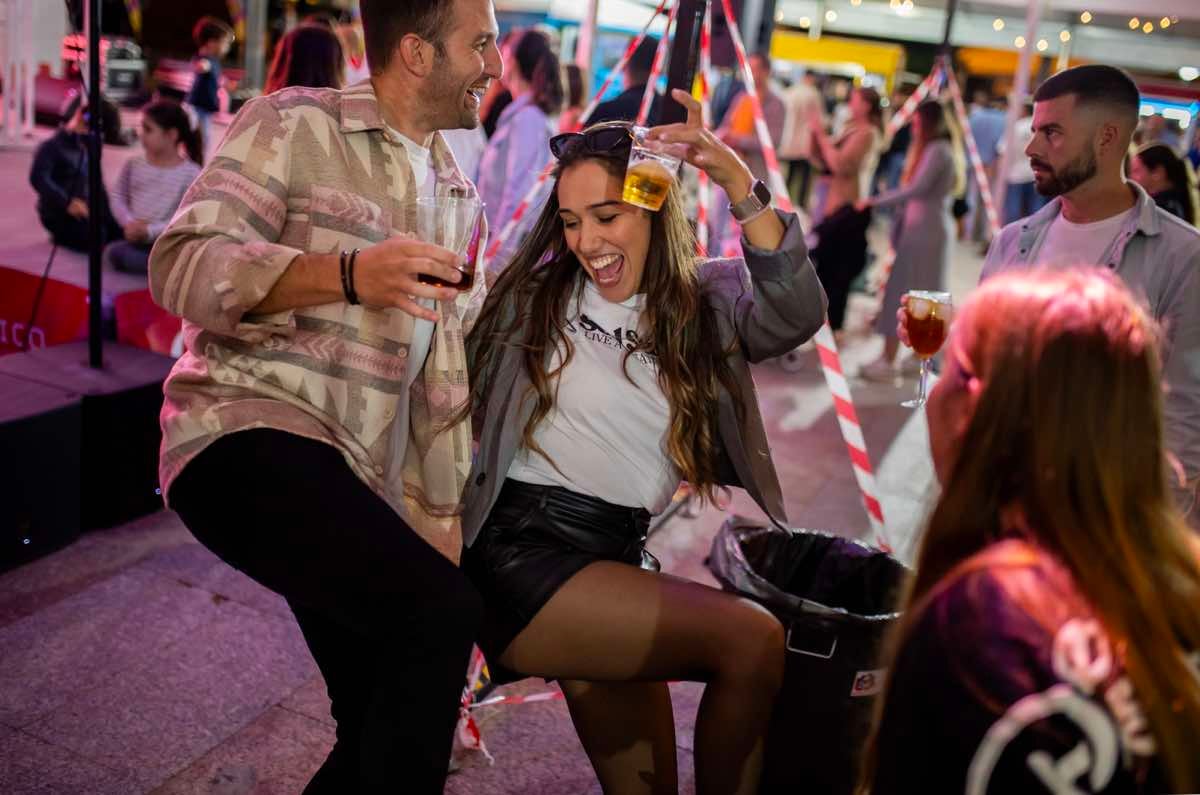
(934, 173)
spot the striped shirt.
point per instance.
(313, 170)
(145, 192)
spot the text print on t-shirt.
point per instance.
(618, 338)
(1085, 661)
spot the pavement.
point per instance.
(134, 661)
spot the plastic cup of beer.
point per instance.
(651, 170)
(450, 222)
(928, 322)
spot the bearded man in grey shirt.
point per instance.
(1083, 122)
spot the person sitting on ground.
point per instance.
(1168, 178)
(151, 186)
(59, 175)
(309, 56)
(608, 364)
(1048, 641)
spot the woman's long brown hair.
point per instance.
(937, 124)
(528, 305)
(1065, 451)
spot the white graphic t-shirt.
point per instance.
(606, 435)
(422, 334)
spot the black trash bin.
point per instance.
(836, 598)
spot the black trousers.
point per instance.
(840, 256)
(389, 620)
(70, 232)
(799, 180)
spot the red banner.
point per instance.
(144, 324)
(62, 315)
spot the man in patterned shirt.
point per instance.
(308, 429)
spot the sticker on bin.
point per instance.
(868, 683)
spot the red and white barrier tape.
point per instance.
(549, 695)
(981, 177)
(831, 364)
(511, 225)
(620, 66)
(660, 55)
(901, 117)
(852, 434)
(467, 729)
(778, 185)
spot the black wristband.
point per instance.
(351, 295)
(342, 271)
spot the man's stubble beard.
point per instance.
(442, 99)
(1069, 177)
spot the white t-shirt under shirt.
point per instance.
(606, 435)
(1066, 244)
(422, 334)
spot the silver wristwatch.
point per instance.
(756, 201)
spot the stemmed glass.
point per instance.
(928, 320)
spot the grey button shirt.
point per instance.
(1157, 256)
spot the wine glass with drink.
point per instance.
(928, 321)
(450, 222)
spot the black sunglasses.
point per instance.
(601, 140)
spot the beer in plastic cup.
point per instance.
(651, 170)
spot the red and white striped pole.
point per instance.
(831, 364)
(981, 177)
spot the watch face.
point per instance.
(761, 192)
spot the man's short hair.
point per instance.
(642, 60)
(386, 22)
(1096, 84)
(209, 29)
(762, 56)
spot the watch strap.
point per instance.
(752, 205)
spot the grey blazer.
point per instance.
(770, 302)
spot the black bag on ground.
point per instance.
(836, 598)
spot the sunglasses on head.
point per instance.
(600, 140)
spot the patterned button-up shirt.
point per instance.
(313, 171)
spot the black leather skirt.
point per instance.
(534, 540)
